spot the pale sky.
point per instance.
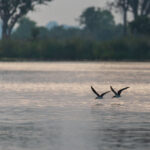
(63, 11)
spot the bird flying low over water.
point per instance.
(117, 94)
(99, 96)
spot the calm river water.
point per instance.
(50, 106)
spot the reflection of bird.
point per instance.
(117, 94)
(98, 95)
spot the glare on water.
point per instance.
(50, 106)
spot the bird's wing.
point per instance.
(119, 92)
(104, 93)
(113, 90)
(94, 91)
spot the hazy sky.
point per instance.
(63, 11)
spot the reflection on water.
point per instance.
(50, 106)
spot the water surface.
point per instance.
(50, 106)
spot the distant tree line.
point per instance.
(97, 38)
(95, 24)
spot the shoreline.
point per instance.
(83, 60)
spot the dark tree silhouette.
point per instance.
(12, 10)
(123, 5)
(140, 8)
(99, 23)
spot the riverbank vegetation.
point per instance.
(129, 48)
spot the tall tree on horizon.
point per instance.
(99, 23)
(12, 10)
(123, 5)
(140, 8)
